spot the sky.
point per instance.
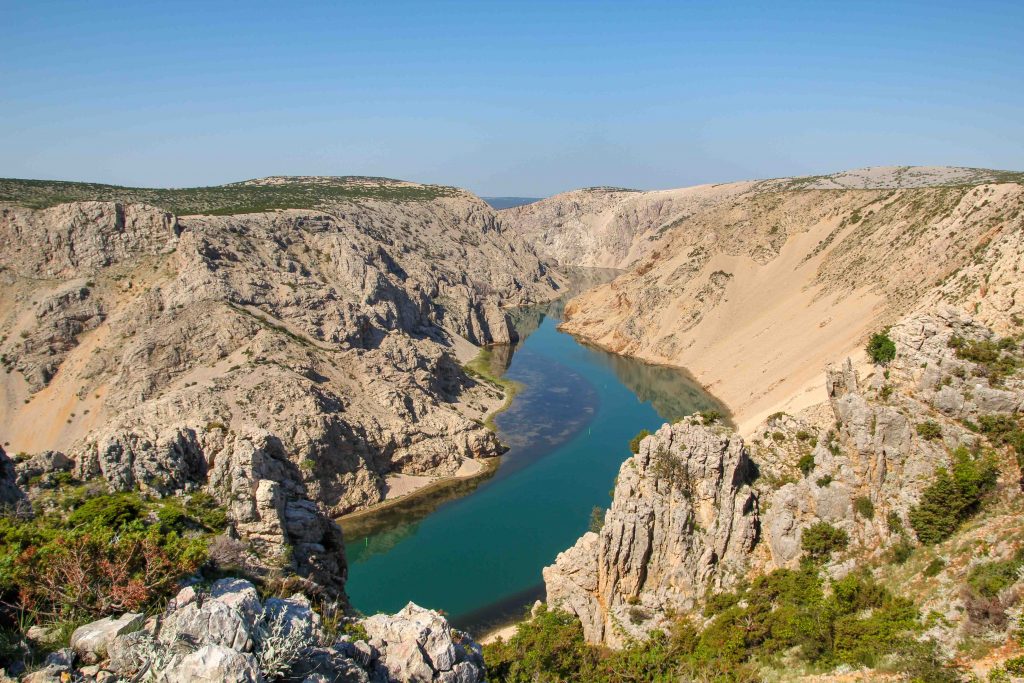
(519, 98)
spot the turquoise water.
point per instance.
(478, 555)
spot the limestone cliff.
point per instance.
(287, 360)
(860, 462)
(683, 519)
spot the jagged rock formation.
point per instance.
(683, 519)
(661, 548)
(229, 634)
(775, 279)
(286, 361)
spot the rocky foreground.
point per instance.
(228, 635)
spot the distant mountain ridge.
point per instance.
(499, 203)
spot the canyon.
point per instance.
(299, 349)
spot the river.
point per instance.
(475, 550)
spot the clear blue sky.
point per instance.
(526, 98)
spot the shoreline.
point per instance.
(488, 467)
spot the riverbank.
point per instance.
(407, 491)
(482, 367)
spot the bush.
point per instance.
(901, 551)
(806, 463)
(822, 482)
(863, 506)
(634, 444)
(104, 555)
(934, 567)
(881, 349)
(821, 539)
(710, 417)
(786, 612)
(952, 497)
(929, 430)
(596, 520)
(990, 578)
(548, 647)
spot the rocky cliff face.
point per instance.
(859, 462)
(285, 361)
(683, 519)
(776, 279)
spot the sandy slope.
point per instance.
(756, 287)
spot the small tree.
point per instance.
(821, 539)
(881, 348)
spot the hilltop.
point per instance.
(248, 196)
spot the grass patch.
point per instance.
(481, 368)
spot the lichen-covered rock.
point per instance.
(683, 520)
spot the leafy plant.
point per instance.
(953, 496)
(929, 430)
(821, 539)
(634, 443)
(881, 348)
(863, 506)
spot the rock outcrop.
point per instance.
(694, 510)
(230, 634)
(287, 362)
(683, 520)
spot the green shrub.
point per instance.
(634, 444)
(806, 463)
(934, 567)
(929, 430)
(952, 497)
(710, 417)
(821, 539)
(547, 647)
(990, 578)
(786, 612)
(997, 359)
(881, 349)
(901, 550)
(822, 482)
(863, 506)
(596, 519)
(893, 521)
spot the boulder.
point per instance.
(92, 640)
(213, 664)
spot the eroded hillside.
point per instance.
(287, 362)
(775, 279)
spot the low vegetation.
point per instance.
(235, 198)
(953, 496)
(881, 348)
(785, 618)
(86, 554)
(994, 359)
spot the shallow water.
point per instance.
(476, 550)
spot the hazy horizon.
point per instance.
(524, 100)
